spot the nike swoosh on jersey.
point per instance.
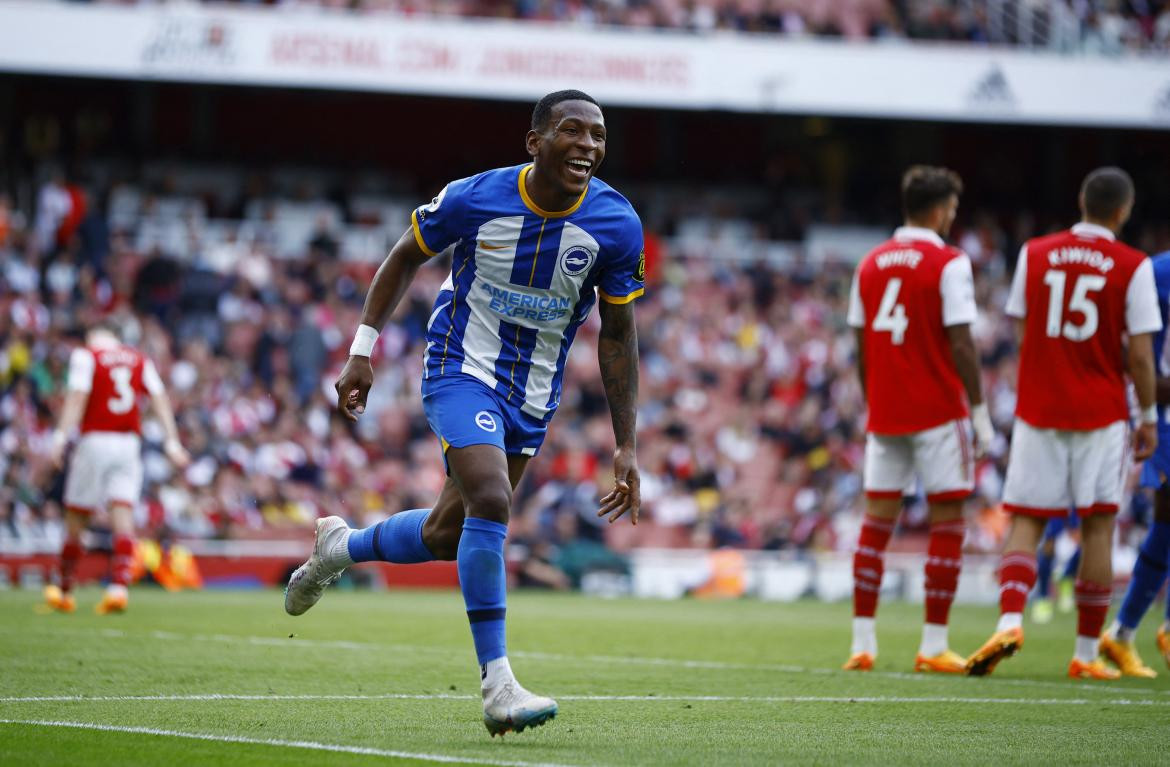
(489, 246)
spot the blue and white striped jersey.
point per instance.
(523, 280)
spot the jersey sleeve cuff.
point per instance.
(418, 238)
(606, 297)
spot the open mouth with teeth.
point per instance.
(579, 167)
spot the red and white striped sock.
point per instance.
(123, 559)
(1092, 605)
(1017, 576)
(943, 562)
(869, 564)
(71, 553)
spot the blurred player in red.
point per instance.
(1077, 294)
(912, 304)
(104, 384)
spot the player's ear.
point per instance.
(532, 143)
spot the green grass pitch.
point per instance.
(375, 678)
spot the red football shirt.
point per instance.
(1079, 293)
(905, 293)
(115, 377)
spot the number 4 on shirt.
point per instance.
(891, 315)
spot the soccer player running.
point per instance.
(1077, 295)
(1149, 572)
(535, 246)
(104, 383)
(912, 304)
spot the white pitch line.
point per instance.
(307, 744)
(714, 665)
(602, 698)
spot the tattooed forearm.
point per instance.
(617, 354)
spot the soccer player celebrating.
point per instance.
(534, 247)
(1077, 295)
(912, 304)
(1149, 572)
(105, 381)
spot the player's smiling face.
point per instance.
(569, 150)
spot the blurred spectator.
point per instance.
(751, 417)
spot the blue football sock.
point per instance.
(1070, 568)
(1148, 575)
(480, 560)
(1043, 574)
(397, 539)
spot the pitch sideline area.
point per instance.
(227, 677)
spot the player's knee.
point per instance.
(489, 501)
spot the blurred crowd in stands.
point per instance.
(1092, 26)
(751, 418)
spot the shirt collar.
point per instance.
(1085, 229)
(918, 233)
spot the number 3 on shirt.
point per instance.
(1079, 302)
(891, 315)
(124, 400)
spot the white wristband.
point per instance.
(363, 341)
(981, 422)
(1150, 414)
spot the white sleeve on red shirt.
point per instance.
(856, 317)
(151, 380)
(1142, 314)
(1017, 306)
(81, 365)
(957, 286)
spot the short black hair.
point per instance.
(543, 109)
(1106, 191)
(925, 186)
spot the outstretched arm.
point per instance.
(617, 354)
(386, 291)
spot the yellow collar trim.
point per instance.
(532, 206)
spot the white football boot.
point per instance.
(325, 565)
(511, 708)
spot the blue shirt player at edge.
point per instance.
(535, 246)
(1150, 570)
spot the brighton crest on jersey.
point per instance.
(523, 280)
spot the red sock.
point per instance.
(1092, 605)
(1017, 576)
(943, 561)
(123, 559)
(868, 564)
(71, 553)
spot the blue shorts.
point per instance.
(464, 411)
(1156, 469)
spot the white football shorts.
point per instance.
(106, 467)
(942, 458)
(1051, 472)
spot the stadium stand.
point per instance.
(1104, 27)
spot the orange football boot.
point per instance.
(1003, 644)
(946, 662)
(1125, 656)
(1078, 669)
(113, 601)
(1163, 640)
(58, 600)
(861, 661)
